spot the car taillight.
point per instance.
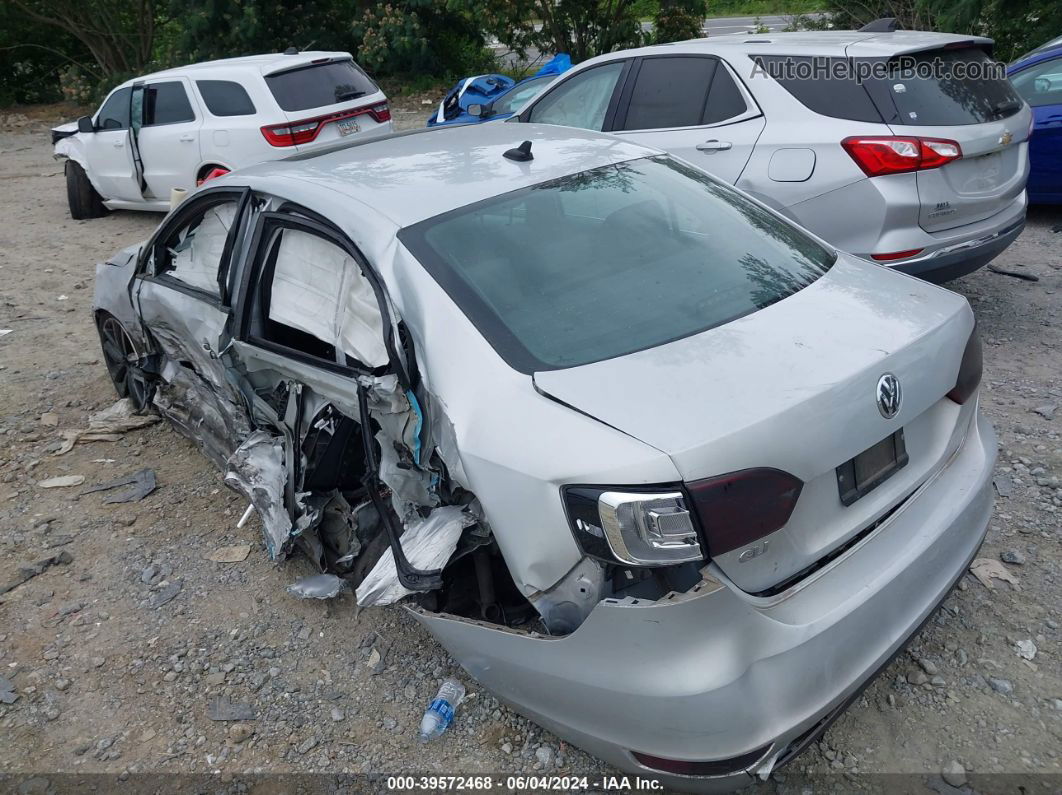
(306, 130)
(969, 370)
(739, 508)
(892, 255)
(879, 155)
(632, 526)
(292, 134)
(381, 112)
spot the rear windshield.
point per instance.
(971, 89)
(933, 88)
(320, 84)
(611, 261)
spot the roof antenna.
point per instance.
(883, 25)
(291, 51)
(520, 154)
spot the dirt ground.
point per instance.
(110, 678)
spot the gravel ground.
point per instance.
(118, 652)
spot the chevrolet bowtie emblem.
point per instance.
(1006, 138)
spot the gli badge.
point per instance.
(888, 395)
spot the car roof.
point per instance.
(1045, 52)
(265, 64)
(411, 176)
(827, 42)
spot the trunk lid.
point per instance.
(950, 88)
(986, 180)
(793, 387)
(328, 89)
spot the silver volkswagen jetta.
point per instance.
(663, 471)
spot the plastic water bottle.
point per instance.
(440, 712)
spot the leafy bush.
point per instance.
(678, 20)
(1016, 25)
(421, 36)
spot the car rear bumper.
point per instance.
(715, 674)
(881, 215)
(958, 259)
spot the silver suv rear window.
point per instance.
(317, 85)
(946, 87)
(611, 261)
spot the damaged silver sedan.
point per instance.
(667, 474)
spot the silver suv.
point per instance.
(905, 148)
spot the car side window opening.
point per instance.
(166, 103)
(192, 255)
(225, 98)
(670, 92)
(725, 100)
(114, 115)
(313, 297)
(1040, 84)
(582, 100)
(512, 101)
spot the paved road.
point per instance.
(720, 26)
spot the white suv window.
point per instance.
(225, 98)
(166, 103)
(114, 115)
(580, 101)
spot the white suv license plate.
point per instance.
(347, 126)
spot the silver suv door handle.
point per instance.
(714, 145)
(187, 138)
(119, 144)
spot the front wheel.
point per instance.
(121, 358)
(80, 195)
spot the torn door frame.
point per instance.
(267, 465)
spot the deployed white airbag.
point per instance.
(427, 544)
(318, 288)
(196, 257)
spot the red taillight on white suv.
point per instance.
(303, 132)
(883, 154)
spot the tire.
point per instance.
(80, 195)
(119, 354)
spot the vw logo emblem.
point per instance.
(888, 394)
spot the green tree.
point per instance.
(1016, 25)
(441, 38)
(32, 56)
(581, 28)
(678, 20)
(228, 28)
(119, 34)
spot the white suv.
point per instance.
(176, 128)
